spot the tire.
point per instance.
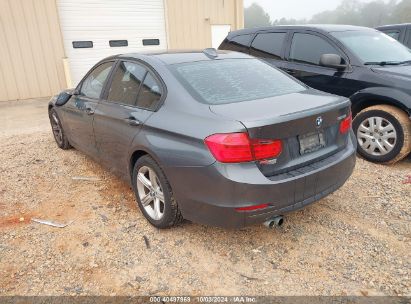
(392, 145)
(58, 132)
(167, 214)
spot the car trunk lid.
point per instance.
(307, 123)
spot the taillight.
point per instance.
(345, 124)
(266, 148)
(238, 147)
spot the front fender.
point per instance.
(381, 95)
(52, 101)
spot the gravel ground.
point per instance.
(354, 242)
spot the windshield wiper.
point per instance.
(382, 63)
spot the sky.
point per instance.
(296, 9)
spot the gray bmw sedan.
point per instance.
(219, 138)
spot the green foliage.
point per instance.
(402, 12)
(255, 16)
(371, 14)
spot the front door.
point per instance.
(79, 111)
(129, 101)
(304, 63)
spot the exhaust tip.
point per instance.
(274, 222)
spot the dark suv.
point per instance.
(400, 32)
(369, 67)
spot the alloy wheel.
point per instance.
(150, 192)
(57, 132)
(376, 136)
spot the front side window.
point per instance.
(126, 83)
(308, 48)
(268, 45)
(374, 47)
(93, 85)
(233, 80)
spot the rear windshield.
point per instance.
(223, 81)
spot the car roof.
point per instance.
(389, 26)
(180, 56)
(326, 28)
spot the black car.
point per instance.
(369, 67)
(219, 138)
(400, 32)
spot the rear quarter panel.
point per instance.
(174, 135)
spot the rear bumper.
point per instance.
(209, 195)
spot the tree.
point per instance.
(348, 12)
(354, 12)
(377, 13)
(371, 14)
(256, 16)
(291, 21)
(402, 12)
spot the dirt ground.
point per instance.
(354, 242)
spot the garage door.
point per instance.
(95, 29)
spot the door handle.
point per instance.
(89, 111)
(132, 121)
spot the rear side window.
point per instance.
(150, 93)
(238, 43)
(233, 80)
(134, 85)
(268, 45)
(94, 83)
(126, 83)
(307, 48)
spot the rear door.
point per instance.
(303, 58)
(270, 46)
(79, 111)
(129, 100)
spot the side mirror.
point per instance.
(63, 98)
(333, 61)
(75, 92)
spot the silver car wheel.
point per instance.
(55, 125)
(150, 192)
(376, 136)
